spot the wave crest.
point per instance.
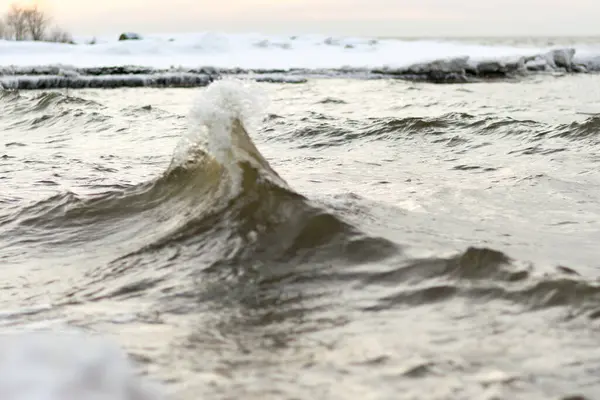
(218, 192)
(220, 120)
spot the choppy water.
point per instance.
(357, 239)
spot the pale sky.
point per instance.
(352, 17)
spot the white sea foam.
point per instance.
(254, 51)
(67, 365)
(212, 115)
(219, 123)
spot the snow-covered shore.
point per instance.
(197, 59)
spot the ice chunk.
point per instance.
(67, 365)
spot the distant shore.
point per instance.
(196, 60)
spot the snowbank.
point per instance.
(67, 366)
(197, 59)
(248, 51)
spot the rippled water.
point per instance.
(357, 239)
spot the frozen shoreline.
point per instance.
(194, 60)
(454, 70)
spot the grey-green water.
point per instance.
(384, 240)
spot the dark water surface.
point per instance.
(357, 239)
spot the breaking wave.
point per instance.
(218, 190)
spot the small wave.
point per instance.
(43, 101)
(15, 144)
(413, 124)
(323, 131)
(331, 100)
(496, 125)
(486, 275)
(9, 95)
(590, 128)
(46, 100)
(48, 109)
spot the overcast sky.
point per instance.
(355, 17)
